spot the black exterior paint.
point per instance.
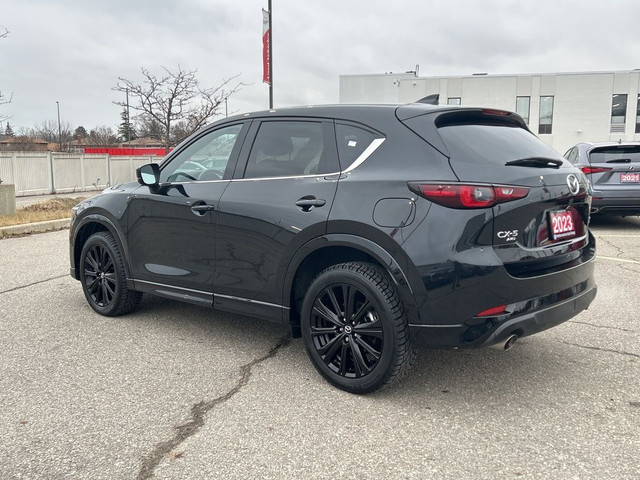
(247, 255)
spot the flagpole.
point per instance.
(270, 57)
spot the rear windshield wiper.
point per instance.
(538, 162)
(620, 160)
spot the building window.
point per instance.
(453, 101)
(618, 112)
(522, 108)
(638, 116)
(546, 115)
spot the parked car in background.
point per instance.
(365, 229)
(613, 169)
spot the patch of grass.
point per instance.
(53, 209)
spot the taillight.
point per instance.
(498, 113)
(588, 170)
(455, 195)
(491, 312)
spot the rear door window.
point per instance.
(291, 148)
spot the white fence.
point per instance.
(36, 173)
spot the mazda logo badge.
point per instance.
(573, 183)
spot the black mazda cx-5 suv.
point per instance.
(367, 229)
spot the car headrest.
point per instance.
(276, 146)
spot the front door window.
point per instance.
(205, 159)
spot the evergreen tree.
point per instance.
(80, 133)
(8, 131)
(126, 130)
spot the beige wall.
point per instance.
(35, 173)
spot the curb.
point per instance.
(38, 227)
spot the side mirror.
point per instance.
(148, 174)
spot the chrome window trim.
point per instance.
(373, 146)
(289, 177)
(191, 182)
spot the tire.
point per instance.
(103, 277)
(372, 349)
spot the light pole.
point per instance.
(128, 121)
(59, 129)
(270, 56)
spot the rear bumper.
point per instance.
(492, 330)
(616, 206)
(618, 203)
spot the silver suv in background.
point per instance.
(614, 171)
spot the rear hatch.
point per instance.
(615, 169)
(540, 202)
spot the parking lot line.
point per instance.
(598, 235)
(624, 260)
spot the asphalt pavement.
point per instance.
(175, 391)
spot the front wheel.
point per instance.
(103, 277)
(354, 328)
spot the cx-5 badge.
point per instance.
(508, 235)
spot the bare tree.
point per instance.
(179, 131)
(48, 130)
(147, 126)
(22, 143)
(4, 100)
(176, 96)
(102, 135)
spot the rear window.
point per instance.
(493, 144)
(615, 154)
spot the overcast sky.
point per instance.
(74, 51)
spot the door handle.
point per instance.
(202, 209)
(309, 202)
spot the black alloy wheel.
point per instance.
(103, 277)
(100, 275)
(346, 330)
(354, 328)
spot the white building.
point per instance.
(561, 108)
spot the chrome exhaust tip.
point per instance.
(506, 344)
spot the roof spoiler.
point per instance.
(430, 99)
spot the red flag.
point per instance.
(266, 48)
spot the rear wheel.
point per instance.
(103, 277)
(354, 328)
